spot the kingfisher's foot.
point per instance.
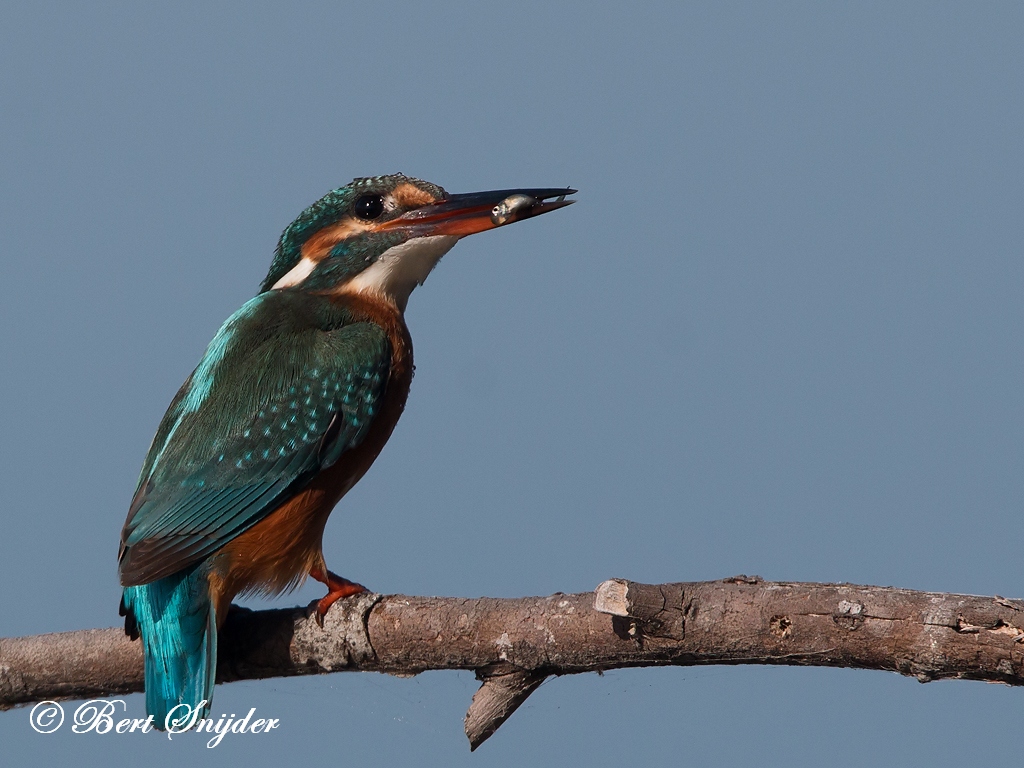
(337, 587)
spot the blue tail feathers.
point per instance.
(178, 625)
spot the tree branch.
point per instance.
(515, 644)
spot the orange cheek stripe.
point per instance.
(320, 244)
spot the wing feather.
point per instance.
(286, 387)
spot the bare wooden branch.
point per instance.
(515, 644)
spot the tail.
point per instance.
(178, 625)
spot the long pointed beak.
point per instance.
(461, 215)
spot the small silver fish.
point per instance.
(503, 212)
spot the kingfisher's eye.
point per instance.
(369, 207)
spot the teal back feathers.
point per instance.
(289, 383)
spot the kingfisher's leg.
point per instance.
(337, 588)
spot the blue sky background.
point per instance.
(780, 333)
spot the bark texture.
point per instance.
(515, 644)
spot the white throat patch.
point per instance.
(401, 268)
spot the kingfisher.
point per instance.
(293, 400)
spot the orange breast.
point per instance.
(277, 553)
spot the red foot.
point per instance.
(337, 588)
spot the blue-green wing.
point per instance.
(285, 388)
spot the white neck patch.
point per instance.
(296, 274)
(400, 269)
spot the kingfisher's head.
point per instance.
(385, 233)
